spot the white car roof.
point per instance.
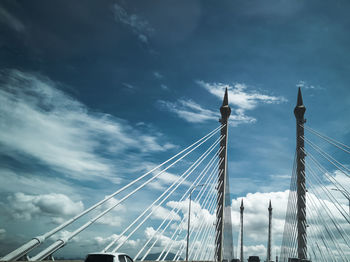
(107, 253)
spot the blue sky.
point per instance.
(95, 93)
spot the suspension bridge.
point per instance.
(317, 222)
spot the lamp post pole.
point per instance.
(189, 219)
(346, 194)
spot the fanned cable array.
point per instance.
(327, 201)
(200, 178)
(289, 240)
(328, 197)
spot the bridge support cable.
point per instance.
(327, 192)
(210, 208)
(325, 172)
(37, 241)
(61, 242)
(211, 205)
(288, 240)
(331, 141)
(329, 158)
(207, 240)
(194, 165)
(180, 227)
(319, 222)
(179, 181)
(181, 249)
(204, 255)
(334, 238)
(326, 209)
(154, 210)
(172, 240)
(157, 238)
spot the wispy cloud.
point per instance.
(138, 25)
(195, 113)
(189, 111)
(239, 95)
(305, 85)
(240, 99)
(2, 233)
(158, 75)
(164, 87)
(11, 20)
(40, 121)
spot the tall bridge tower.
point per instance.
(299, 112)
(225, 111)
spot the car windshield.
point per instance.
(99, 258)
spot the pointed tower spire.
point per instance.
(225, 109)
(225, 101)
(300, 98)
(299, 109)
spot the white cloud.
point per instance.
(199, 214)
(255, 206)
(115, 217)
(158, 75)
(305, 85)
(164, 213)
(57, 206)
(195, 113)
(44, 123)
(165, 180)
(256, 219)
(164, 87)
(239, 96)
(2, 233)
(138, 25)
(190, 111)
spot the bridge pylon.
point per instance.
(225, 111)
(299, 112)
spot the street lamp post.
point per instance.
(345, 193)
(189, 219)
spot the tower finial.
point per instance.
(300, 98)
(299, 109)
(225, 109)
(270, 206)
(225, 101)
(242, 206)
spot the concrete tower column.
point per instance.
(299, 112)
(225, 111)
(242, 209)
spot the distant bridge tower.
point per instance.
(268, 259)
(299, 112)
(225, 111)
(242, 209)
